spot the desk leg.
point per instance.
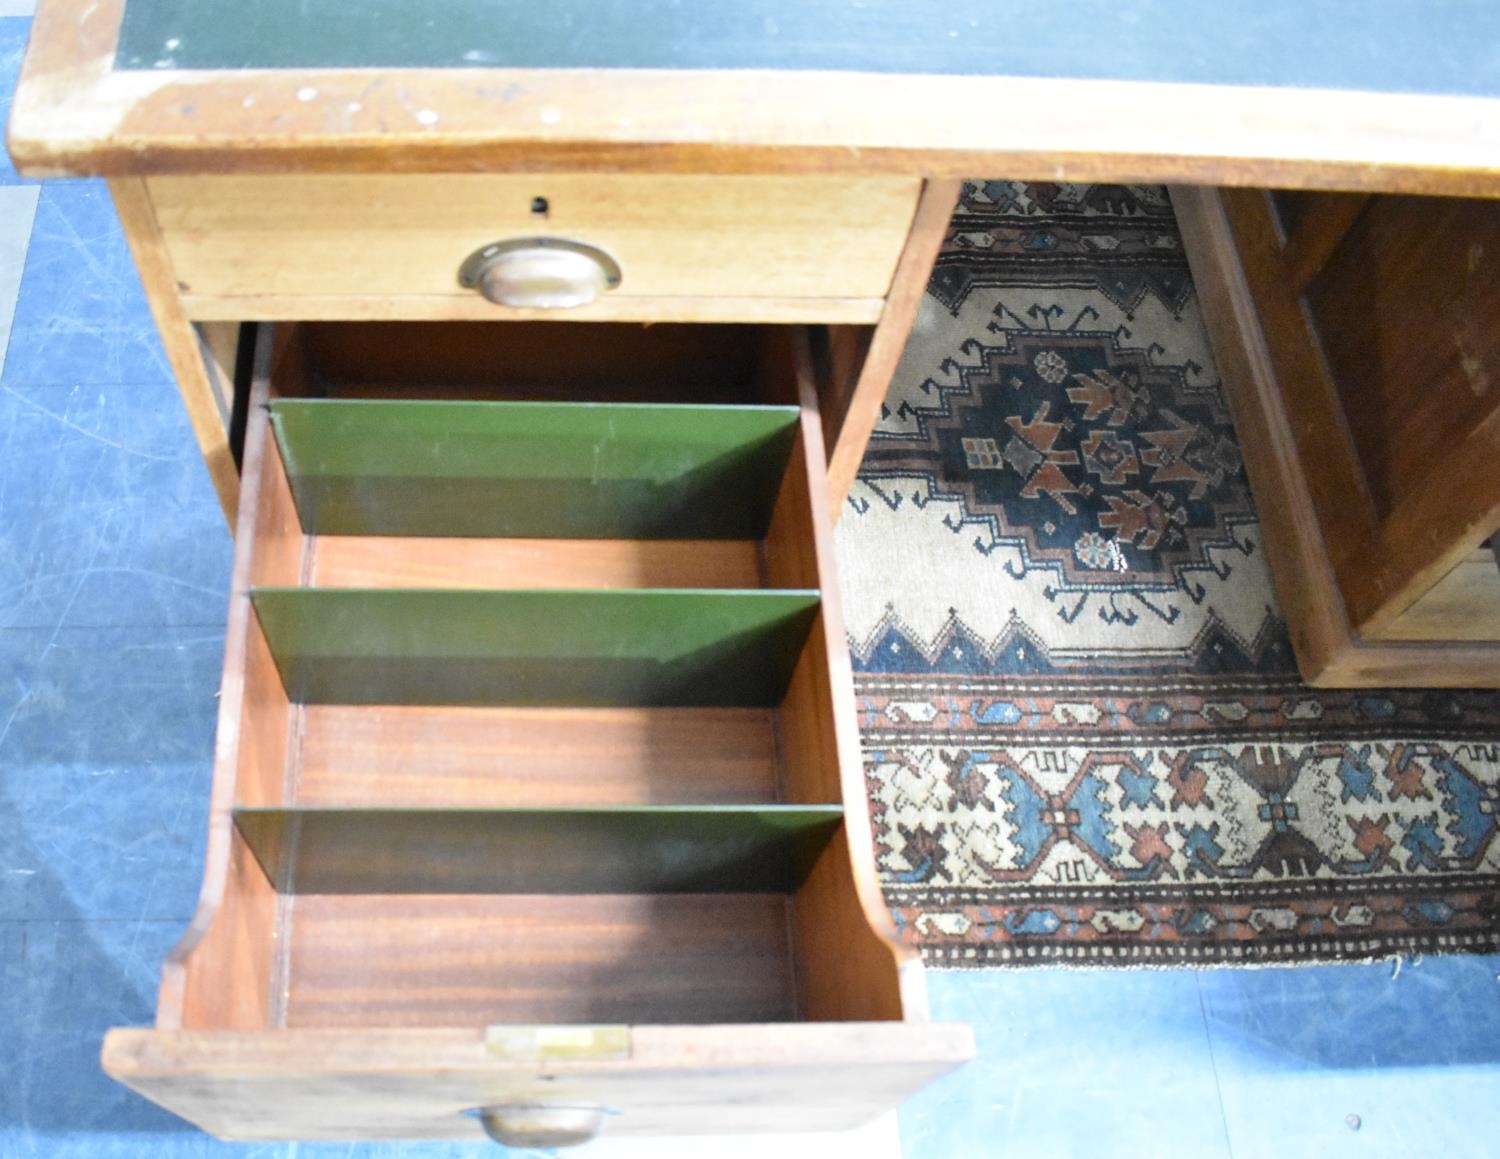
(1350, 568)
(206, 407)
(851, 418)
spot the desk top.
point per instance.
(1414, 46)
(1352, 94)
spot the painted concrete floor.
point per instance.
(113, 567)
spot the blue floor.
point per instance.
(113, 566)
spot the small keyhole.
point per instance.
(540, 207)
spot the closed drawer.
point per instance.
(537, 782)
(689, 248)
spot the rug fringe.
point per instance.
(1397, 961)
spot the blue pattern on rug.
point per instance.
(1085, 737)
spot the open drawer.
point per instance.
(538, 807)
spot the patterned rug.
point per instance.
(1085, 740)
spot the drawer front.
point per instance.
(726, 248)
(437, 1084)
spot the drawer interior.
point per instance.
(568, 361)
(470, 960)
(535, 714)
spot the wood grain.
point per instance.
(343, 974)
(577, 361)
(1299, 456)
(673, 236)
(852, 416)
(220, 974)
(227, 979)
(851, 965)
(407, 757)
(473, 308)
(266, 756)
(73, 114)
(205, 405)
(1463, 605)
(473, 960)
(1405, 313)
(354, 561)
(839, 354)
(395, 1084)
(1377, 379)
(219, 344)
(281, 552)
(1314, 233)
(1252, 372)
(1428, 532)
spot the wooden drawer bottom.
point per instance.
(479, 960)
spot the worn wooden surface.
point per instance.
(548, 360)
(220, 973)
(353, 561)
(393, 1084)
(219, 343)
(473, 308)
(1313, 226)
(201, 396)
(1320, 522)
(787, 241)
(75, 113)
(1405, 314)
(852, 965)
(1382, 368)
(851, 416)
(1431, 48)
(1406, 308)
(516, 959)
(1463, 605)
(335, 961)
(362, 755)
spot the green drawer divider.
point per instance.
(534, 469)
(629, 849)
(632, 647)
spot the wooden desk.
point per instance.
(778, 177)
(233, 131)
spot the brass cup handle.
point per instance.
(541, 1127)
(546, 273)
